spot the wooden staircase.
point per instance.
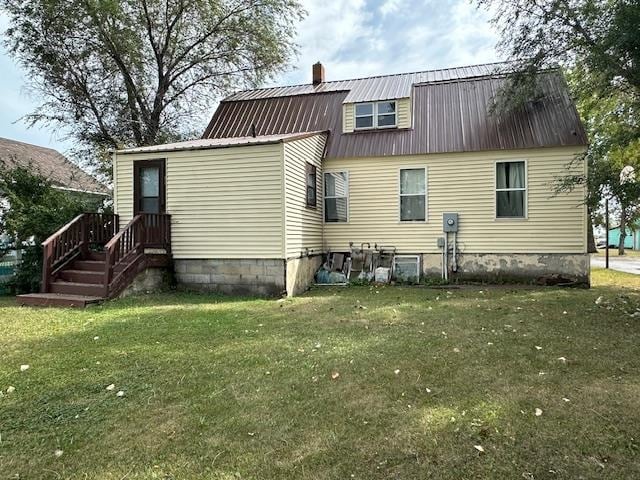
(88, 261)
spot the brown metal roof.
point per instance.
(448, 116)
(208, 143)
(49, 163)
(383, 87)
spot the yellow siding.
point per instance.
(462, 183)
(404, 113)
(403, 108)
(224, 203)
(303, 225)
(348, 119)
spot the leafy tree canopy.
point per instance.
(138, 72)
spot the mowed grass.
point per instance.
(364, 383)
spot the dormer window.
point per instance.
(376, 115)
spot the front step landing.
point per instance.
(57, 300)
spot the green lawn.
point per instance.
(227, 388)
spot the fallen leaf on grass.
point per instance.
(562, 359)
(24, 368)
(334, 375)
(599, 300)
(58, 453)
(538, 412)
(538, 347)
(428, 390)
(11, 389)
(479, 448)
(396, 371)
(111, 387)
(120, 394)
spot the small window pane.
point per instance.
(151, 205)
(150, 181)
(386, 120)
(412, 208)
(335, 184)
(510, 175)
(364, 122)
(335, 210)
(412, 181)
(386, 107)
(510, 203)
(364, 109)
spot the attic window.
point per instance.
(375, 115)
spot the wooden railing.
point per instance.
(125, 251)
(74, 239)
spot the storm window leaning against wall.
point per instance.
(336, 197)
(413, 194)
(511, 189)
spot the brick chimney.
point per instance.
(318, 73)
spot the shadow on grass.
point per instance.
(239, 388)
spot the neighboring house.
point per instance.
(284, 175)
(51, 164)
(631, 239)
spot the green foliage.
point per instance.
(129, 72)
(34, 211)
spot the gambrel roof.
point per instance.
(451, 110)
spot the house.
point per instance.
(419, 163)
(631, 239)
(49, 163)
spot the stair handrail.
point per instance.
(127, 240)
(72, 240)
(54, 250)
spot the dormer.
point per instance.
(376, 115)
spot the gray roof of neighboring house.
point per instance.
(205, 143)
(451, 112)
(51, 164)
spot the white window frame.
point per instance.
(418, 259)
(525, 190)
(374, 108)
(426, 194)
(325, 197)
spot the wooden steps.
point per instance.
(57, 300)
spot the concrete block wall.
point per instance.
(148, 281)
(264, 277)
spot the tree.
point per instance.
(598, 41)
(32, 210)
(141, 72)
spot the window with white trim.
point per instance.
(511, 189)
(376, 115)
(413, 194)
(336, 197)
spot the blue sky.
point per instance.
(352, 38)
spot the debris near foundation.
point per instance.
(556, 280)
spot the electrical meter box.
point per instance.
(449, 222)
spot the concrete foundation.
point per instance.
(300, 273)
(148, 281)
(512, 267)
(263, 277)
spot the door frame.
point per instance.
(162, 183)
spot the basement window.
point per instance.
(406, 268)
(336, 197)
(511, 189)
(375, 115)
(312, 182)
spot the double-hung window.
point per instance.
(413, 194)
(336, 197)
(375, 115)
(311, 180)
(511, 189)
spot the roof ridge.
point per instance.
(504, 62)
(11, 140)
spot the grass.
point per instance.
(613, 252)
(228, 388)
